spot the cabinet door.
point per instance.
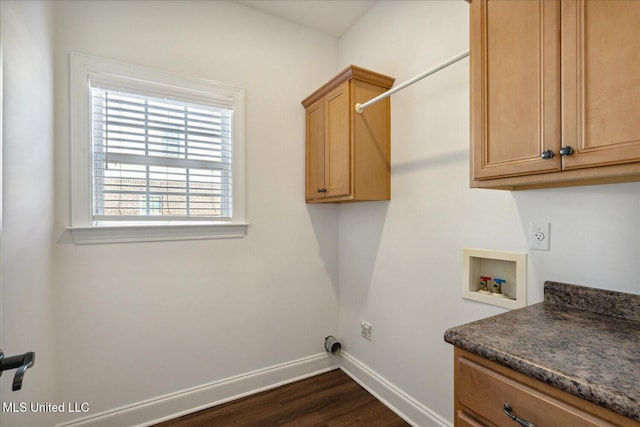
(315, 150)
(601, 82)
(515, 87)
(337, 166)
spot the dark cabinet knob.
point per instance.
(547, 154)
(566, 151)
(322, 190)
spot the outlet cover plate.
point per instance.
(365, 329)
(539, 235)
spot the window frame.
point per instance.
(82, 227)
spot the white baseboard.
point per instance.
(173, 405)
(184, 402)
(399, 402)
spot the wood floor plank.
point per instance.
(331, 399)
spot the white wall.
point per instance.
(28, 203)
(401, 261)
(117, 324)
(137, 321)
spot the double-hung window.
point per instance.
(154, 156)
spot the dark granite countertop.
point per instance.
(584, 341)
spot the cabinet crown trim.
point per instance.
(349, 73)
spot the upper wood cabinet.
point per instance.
(515, 99)
(601, 82)
(347, 153)
(555, 92)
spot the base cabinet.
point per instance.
(485, 392)
(348, 153)
(465, 420)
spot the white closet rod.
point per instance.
(360, 107)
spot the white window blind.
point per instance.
(156, 158)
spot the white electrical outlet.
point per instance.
(539, 235)
(365, 329)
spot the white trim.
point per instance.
(155, 233)
(395, 399)
(81, 67)
(173, 405)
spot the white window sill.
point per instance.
(155, 232)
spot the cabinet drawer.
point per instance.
(485, 392)
(464, 420)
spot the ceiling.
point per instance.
(332, 17)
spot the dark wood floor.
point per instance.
(331, 399)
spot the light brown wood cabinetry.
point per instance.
(515, 59)
(482, 388)
(547, 75)
(601, 82)
(347, 153)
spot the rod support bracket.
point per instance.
(359, 108)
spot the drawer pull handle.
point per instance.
(523, 423)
